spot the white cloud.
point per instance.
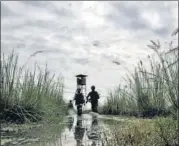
(86, 37)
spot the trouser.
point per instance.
(79, 106)
(94, 107)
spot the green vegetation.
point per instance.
(151, 91)
(141, 132)
(28, 95)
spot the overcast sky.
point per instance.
(86, 37)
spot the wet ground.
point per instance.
(74, 131)
(85, 130)
(82, 131)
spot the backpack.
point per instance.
(79, 98)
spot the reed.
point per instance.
(28, 95)
(150, 91)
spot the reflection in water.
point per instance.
(94, 121)
(79, 132)
(94, 143)
(94, 131)
(82, 131)
(70, 123)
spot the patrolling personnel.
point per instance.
(94, 96)
(79, 100)
(70, 105)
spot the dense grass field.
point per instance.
(141, 132)
(28, 95)
(150, 91)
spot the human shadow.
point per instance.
(70, 122)
(79, 132)
(94, 134)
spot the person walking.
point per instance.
(79, 100)
(94, 97)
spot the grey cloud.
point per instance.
(40, 23)
(63, 51)
(99, 44)
(10, 37)
(66, 37)
(23, 41)
(82, 61)
(60, 30)
(128, 16)
(13, 23)
(96, 43)
(5, 11)
(39, 39)
(7, 45)
(5, 48)
(62, 12)
(12, 9)
(115, 57)
(25, 23)
(33, 46)
(49, 49)
(30, 22)
(163, 31)
(37, 3)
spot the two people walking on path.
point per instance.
(94, 97)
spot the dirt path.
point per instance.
(82, 131)
(85, 130)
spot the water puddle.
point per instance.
(82, 131)
(85, 130)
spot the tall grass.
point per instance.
(28, 95)
(151, 90)
(142, 132)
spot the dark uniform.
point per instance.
(79, 98)
(94, 96)
(79, 132)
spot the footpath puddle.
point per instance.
(85, 130)
(82, 131)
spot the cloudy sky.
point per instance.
(86, 37)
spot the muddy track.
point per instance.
(85, 130)
(82, 130)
